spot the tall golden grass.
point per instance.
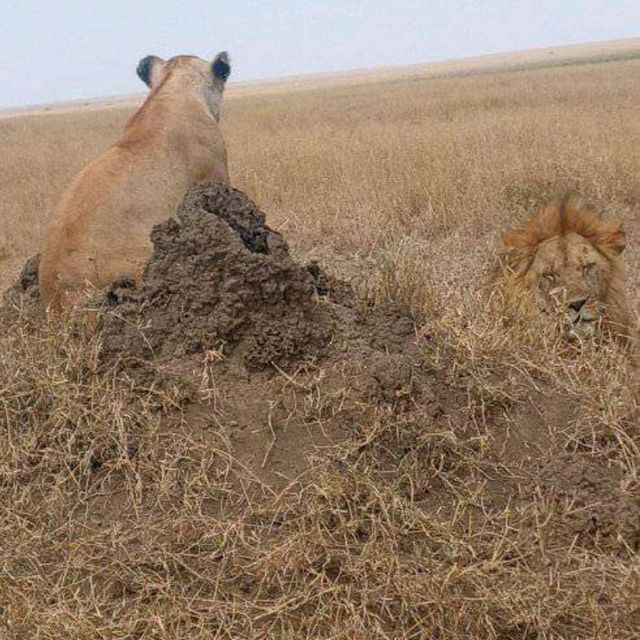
(349, 171)
(402, 188)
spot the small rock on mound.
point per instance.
(218, 277)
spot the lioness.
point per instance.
(567, 259)
(100, 227)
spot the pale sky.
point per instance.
(51, 51)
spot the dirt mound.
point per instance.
(223, 307)
(219, 279)
(24, 295)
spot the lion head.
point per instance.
(567, 260)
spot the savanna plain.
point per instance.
(504, 507)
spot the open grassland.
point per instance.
(118, 520)
(353, 170)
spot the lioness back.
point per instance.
(101, 225)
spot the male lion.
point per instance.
(100, 228)
(567, 259)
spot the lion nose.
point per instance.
(577, 305)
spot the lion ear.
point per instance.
(618, 239)
(511, 240)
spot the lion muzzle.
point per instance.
(582, 320)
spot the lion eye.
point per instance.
(551, 277)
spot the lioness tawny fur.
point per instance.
(101, 225)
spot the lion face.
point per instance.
(568, 275)
(566, 262)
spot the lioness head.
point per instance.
(567, 259)
(187, 73)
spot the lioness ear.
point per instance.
(221, 66)
(150, 69)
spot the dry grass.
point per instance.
(119, 520)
